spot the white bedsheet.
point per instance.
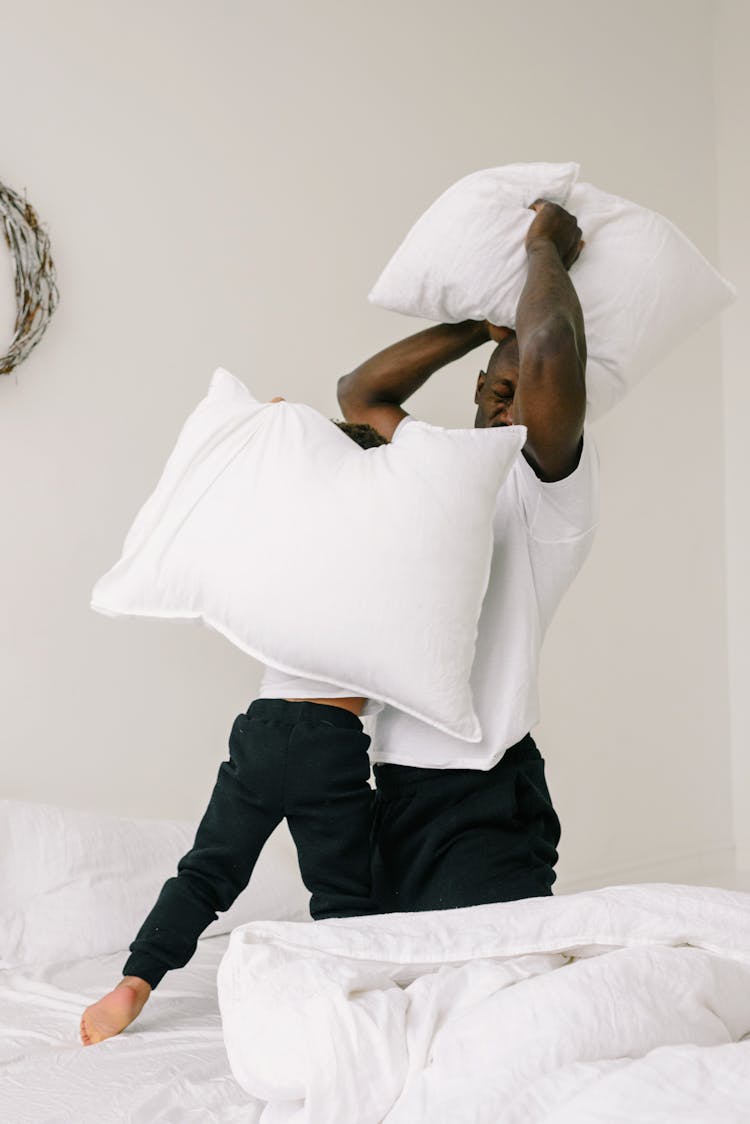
(629, 1003)
(170, 1065)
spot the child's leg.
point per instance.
(244, 809)
(328, 803)
(114, 1011)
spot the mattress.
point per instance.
(168, 1065)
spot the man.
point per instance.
(460, 823)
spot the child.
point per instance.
(304, 758)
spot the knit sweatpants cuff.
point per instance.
(145, 968)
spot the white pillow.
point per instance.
(466, 255)
(76, 884)
(360, 567)
(643, 286)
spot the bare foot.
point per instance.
(114, 1011)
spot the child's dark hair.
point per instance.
(365, 435)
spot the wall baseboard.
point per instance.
(716, 867)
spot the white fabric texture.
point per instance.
(465, 257)
(277, 684)
(76, 884)
(169, 1067)
(630, 1003)
(542, 535)
(262, 525)
(643, 286)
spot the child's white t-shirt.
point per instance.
(543, 533)
(277, 684)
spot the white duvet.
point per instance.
(630, 1003)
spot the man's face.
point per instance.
(497, 387)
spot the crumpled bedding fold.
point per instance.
(631, 1003)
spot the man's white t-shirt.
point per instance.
(543, 533)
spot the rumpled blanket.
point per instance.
(629, 1003)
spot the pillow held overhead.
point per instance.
(643, 286)
(465, 257)
(366, 568)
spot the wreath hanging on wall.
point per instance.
(34, 275)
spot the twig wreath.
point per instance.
(34, 275)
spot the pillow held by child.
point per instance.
(366, 568)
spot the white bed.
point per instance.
(74, 888)
(625, 1004)
(654, 1032)
(170, 1065)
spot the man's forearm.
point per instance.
(549, 305)
(394, 374)
(550, 398)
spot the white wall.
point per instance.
(224, 190)
(733, 165)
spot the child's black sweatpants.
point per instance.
(303, 760)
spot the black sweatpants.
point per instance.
(303, 760)
(444, 838)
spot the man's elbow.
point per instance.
(556, 342)
(344, 395)
(553, 370)
(354, 401)
(354, 394)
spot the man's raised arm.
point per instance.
(550, 399)
(373, 391)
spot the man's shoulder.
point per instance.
(581, 476)
(559, 510)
